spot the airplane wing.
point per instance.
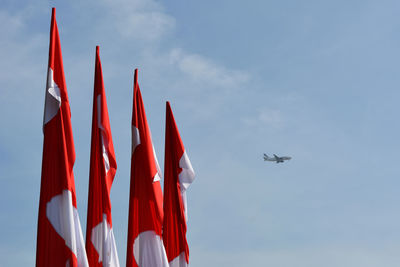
(276, 158)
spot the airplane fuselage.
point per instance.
(276, 158)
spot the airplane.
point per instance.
(276, 158)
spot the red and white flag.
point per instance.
(100, 243)
(145, 247)
(178, 175)
(59, 237)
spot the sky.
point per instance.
(314, 80)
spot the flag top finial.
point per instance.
(169, 112)
(136, 76)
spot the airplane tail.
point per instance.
(265, 157)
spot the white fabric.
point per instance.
(158, 175)
(104, 242)
(52, 99)
(179, 261)
(105, 153)
(104, 139)
(186, 177)
(136, 142)
(64, 217)
(135, 138)
(149, 251)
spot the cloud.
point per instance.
(148, 26)
(141, 20)
(14, 24)
(202, 69)
(19, 68)
(145, 25)
(265, 117)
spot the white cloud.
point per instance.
(141, 20)
(19, 68)
(202, 69)
(9, 25)
(148, 26)
(265, 117)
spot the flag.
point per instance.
(100, 243)
(178, 175)
(145, 247)
(59, 236)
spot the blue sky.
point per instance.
(316, 80)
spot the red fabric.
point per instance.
(145, 201)
(57, 163)
(174, 226)
(99, 181)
